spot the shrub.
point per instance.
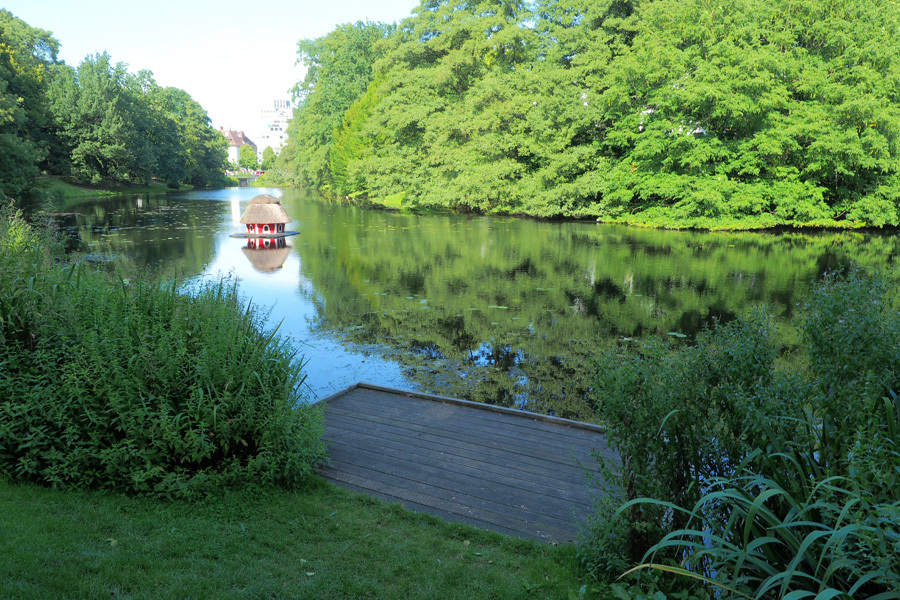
(782, 527)
(25, 252)
(131, 385)
(792, 475)
(851, 333)
(677, 418)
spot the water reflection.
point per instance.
(497, 310)
(267, 255)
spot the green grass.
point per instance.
(61, 187)
(394, 201)
(323, 542)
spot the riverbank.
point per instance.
(322, 542)
(62, 187)
(659, 218)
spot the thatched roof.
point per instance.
(267, 260)
(265, 209)
(265, 199)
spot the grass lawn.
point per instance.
(61, 188)
(323, 542)
(394, 201)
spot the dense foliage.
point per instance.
(26, 59)
(98, 122)
(339, 68)
(248, 158)
(130, 385)
(766, 478)
(268, 159)
(671, 112)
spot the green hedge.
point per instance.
(107, 382)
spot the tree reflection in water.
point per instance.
(503, 310)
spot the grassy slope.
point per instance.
(321, 543)
(61, 187)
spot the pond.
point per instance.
(500, 310)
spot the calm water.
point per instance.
(498, 310)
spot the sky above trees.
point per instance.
(200, 47)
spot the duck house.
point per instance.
(265, 217)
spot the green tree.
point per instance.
(155, 144)
(782, 112)
(27, 56)
(339, 69)
(248, 157)
(125, 127)
(672, 113)
(486, 107)
(268, 158)
(447, 98)
(91, 111)
(350, 141)
(204, 148)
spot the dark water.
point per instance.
(498, 310)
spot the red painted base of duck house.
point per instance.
(265, 228)
(266, 243)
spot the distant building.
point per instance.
(236, 139)
(273, 126)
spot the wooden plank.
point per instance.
(490, 463)
(481, 406)
(539, 459)
(507, 462)
(502, 470)
(493, 438)
(403, 406)
(495, 486)
(463, 490)
(397, 404)
(453, 505)
(501, 431)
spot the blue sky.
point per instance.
(233, 57)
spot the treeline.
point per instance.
(98, 122)
(753, 113)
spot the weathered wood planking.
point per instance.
(505, 470)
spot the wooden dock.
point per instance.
(510, 471)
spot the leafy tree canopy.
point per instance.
(27, 55)
(784, 111)
(339, 69)
(97, 122)
(671, 112)
(125, 127)
(248, 158)
(268, 158)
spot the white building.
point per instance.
(273, 127)
(236, 139)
